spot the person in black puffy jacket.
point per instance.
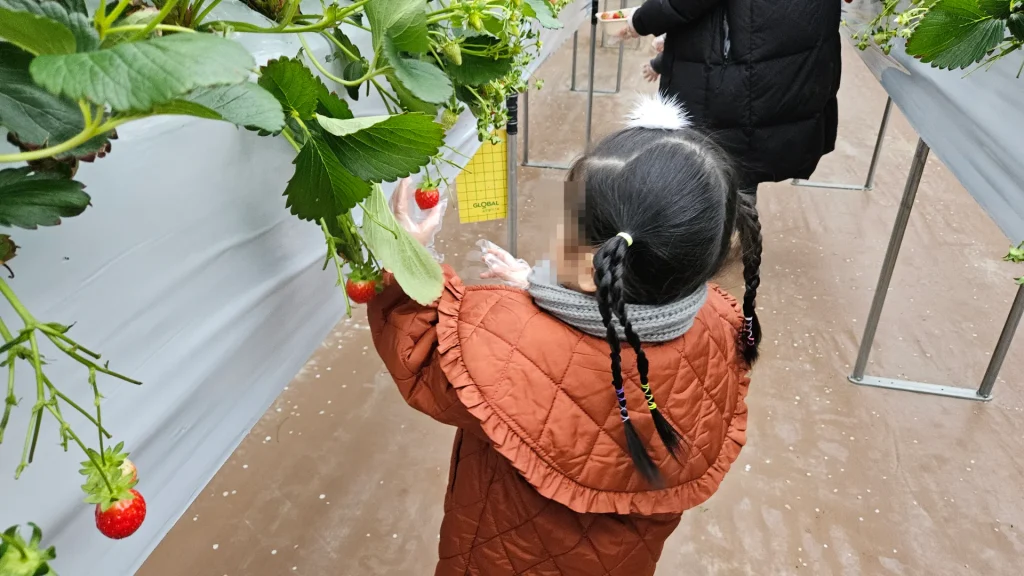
(761, 76)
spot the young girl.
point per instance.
(594, 408)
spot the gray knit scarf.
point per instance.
(651, 323)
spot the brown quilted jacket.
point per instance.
(540, 482)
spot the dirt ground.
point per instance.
(341, 478)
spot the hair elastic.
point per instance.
(626, 237)
(748, 327)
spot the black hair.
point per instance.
(661, 208)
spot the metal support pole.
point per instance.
(593, 50)
(526, 140)
(891, 253)
(590, 87)
(511, 130)
(869, 184)
(622, 52)
(876, 155)
(871, 327)
(575, 49)
(1003, 345)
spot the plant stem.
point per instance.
(10, 401)
(332, 254)
(339, 80)
(75, 345)
(99, 413)
(289, 14)
(115, 14)
(367, 214)
(70, 402)
(287, 133)
(206, 12)
(354, 24)
(384, 93)
(89, 363)
(81, 138)
(37, 363)
(66, 427)
(337, 43)
(37, 413)
(147, 28)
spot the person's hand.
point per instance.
(649, 74)
(628, 32)
(658, 44)
(502, 266)
(423, 229)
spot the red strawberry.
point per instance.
(128, 470)
(361, 291)
(122, 518)
(427, 198)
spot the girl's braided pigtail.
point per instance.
(750, 242)
(668, 434)
(607, 266)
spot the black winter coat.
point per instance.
(760, 75)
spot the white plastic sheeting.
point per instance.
(189, 274)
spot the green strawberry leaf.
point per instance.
(34, 33)
(244, 104)
(955, 34)
(407, 100)
(414, 268)
(294, 86)
(402, 22)
(542, 12)
(1016, 25)
(30, 199)
(423, 80)
(995, 8)
(8, 249)
(353, 71)
(341, 57)
(384, 148)
(478, 70)
(140, 75)
(321, 186)
(1016, 254)
(37, 117)
(80, 25)
(329, 104)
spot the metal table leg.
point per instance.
(593, 51)
(888, 266)
(526, 140)
(1002, 346)
(511, 140)
(590, 101)
(869, 184)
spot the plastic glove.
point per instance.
(649, 74)
(628, 32)
(422, 225)
(501, 265)
(659, 44)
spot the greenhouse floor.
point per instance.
(341, 478)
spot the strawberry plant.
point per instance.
(1016, 255)
(69, 77)
(949, 34)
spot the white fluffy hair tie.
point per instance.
(658, 112)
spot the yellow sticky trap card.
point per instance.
(482, 186)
